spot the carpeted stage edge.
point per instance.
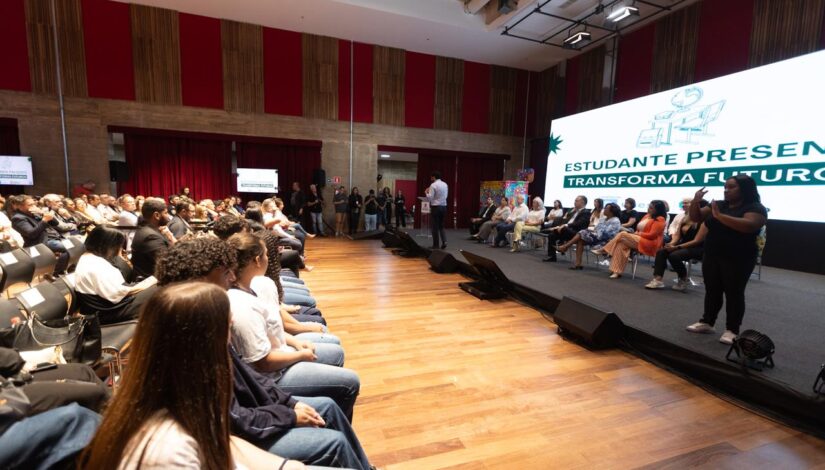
(785, 305)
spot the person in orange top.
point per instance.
(647, 240)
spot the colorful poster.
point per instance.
(515, 188)
(493, 189)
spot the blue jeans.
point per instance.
(326, 338)
(295, 287)
(334, 445)
(317, 222)
(304, 318)
(62, 256)
(49, 439)
(501, 232)
(295, 298)
(313, 379)
(288, 276)
(370, 221)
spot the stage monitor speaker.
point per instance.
(442, 262)
(118, 171)
(371, 235)
(319, 177)
(390, 239)
(595, 327)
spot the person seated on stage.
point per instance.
(484, 214)
(100, 285)
(151, 239)
(519, 213)
(629, 216)
(500, 215)
(567, 227)
(532, 223)
(602, 233)
(686, 245)
(179, 225)
(38, 226)
(298, 366)
(676, 222)
(647, 240)
(555, 213)
(173, 407)
(596, 216)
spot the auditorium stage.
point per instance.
(788, 306)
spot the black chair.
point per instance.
(74, 245)
(44, 259)
(17, 268)
(45, 300)
(10, 309)
(65, 284)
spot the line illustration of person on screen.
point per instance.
(683, 123)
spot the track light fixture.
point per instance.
(622, 13)
(578, 40)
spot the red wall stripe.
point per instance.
(107, 36)
(520, 107)
(344, 62)
(283, 72)
(724, 38)
(362, 77)
(475, 101)
(635, 64)
(14, 60)
(419, 90)
(200, 61)
(571, 91)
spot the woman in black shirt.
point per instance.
(355, 203)
(687, 244)
(400, 210)
(315, 204)
(730, 251)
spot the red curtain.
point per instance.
(293, 162)
(471, 172)
(162, 165)
(9, 145)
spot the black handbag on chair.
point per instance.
(78, 336)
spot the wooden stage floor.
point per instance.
(449, 381)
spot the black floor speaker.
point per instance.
(442, 262)
(371, 235)
(587, 323)
(390, 239)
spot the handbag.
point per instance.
(78, 336)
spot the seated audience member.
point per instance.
(172, 408)
(36, 226)
(273, 219)
(647, 240)
(484, 214)
(301, 367)
(82, 211)
(51, 439)
(676, 222)
(295, 228)
(567, 227)
(291, 260)
(100, 285)
(179, 225)
(518, 214)
(173, 200)
(185, 192)
(596, 237)
(629, 216)
(209, 209)
(7, 232)
(500, 215)
(557, 212)
(105, 208)
(687, 244)
(238, 204)
(151, 239)
(128, 218)
(596, 216)
(65, 224)
(229, 206)
(532, 223)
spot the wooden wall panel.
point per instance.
(449, 80)
(674, 49)
(549, 102)
(784, 28)
(592, 93)
(388, 85)
(502, 99)
(41, 47)
(156, 52)
(72, 53)
(243, 67)
(320, 76)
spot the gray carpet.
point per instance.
(786, 305)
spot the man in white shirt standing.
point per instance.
(518, 214)
(437, 195)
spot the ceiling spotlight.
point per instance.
(623, 13)
(578, 40)
(385, 155)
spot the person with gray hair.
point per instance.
(65, 222)
(531, 223)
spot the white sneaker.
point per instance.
(655, 284)
(700, 327)
(681, 285)
(727, 337)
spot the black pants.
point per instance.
(676, 259)
(476, 226)
(400, 220)
(554, 237)
(66, 384)
(726, 277)
(354, 216)
(291, 260)
(437, 217)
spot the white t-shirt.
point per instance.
(267, 293)
(253, 332)
(535, 216)
(159, 444)
(96, 276)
